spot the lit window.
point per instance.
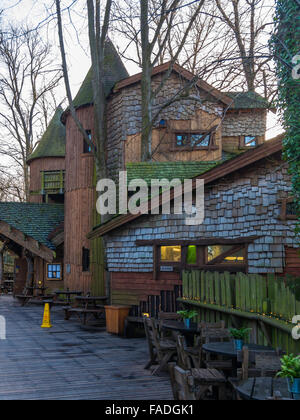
(54, 271)
(221, 254)
(250, 141)
(170, 254)
(191, 255)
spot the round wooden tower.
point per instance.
(47, 164)
(84, 267)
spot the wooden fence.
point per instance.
(266, 304)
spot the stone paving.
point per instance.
(70, 363)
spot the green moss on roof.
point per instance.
(53, 142)
(248, 100)
(167, 170)
(114, 71)
(34, 220)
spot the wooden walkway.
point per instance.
(69, 363)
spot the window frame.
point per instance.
(189, 133)
(86, 146)
(202, 259)
(86, 256)
(61, 272)
(283, 213)
(243, 142)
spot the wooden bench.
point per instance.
(83, 313)
(24, 299)
(131, 321)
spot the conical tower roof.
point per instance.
(53, 142)
(114, 70)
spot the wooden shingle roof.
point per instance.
(53, 142)
(36, 221)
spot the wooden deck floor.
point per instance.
(68, 363)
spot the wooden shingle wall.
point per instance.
(244, 204)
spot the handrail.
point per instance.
(247, 315)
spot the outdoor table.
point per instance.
(261, 389)
(179, 326)
(91, 300)
(228, 349)
(68, 294)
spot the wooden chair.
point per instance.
(187, 357)
(193, 384)
(161, 350)
(167, 316)
(256, 363)
(211, 335)
(183, 384)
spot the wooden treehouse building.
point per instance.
(249, 224)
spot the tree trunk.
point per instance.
(146, 140)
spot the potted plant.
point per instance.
(239, 336)
(290, 369)
(187, 316)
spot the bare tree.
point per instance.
(11, 186)
(98, 31)
(247, 22)
(27, 78)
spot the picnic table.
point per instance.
(7, 286)
(261, 389)
(86, 307)
(180, 326)
(67, 295)
(30, 295)
(228, 350)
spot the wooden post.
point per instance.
(29, 279)
(1, 267)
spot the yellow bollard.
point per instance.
(46, 320)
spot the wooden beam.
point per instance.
(27, 243)
(203, 242)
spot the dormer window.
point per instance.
(86, 147)
(250, 141)
(194, 140)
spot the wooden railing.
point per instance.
(265, 304)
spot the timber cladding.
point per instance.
(79, 201)
(135, 288)
(292, 261)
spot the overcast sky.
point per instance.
(31, 12)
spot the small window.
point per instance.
(200, 140)
(85, 259)
(194, 140)
(182, 140)
(225, 254)
(170, 254)
(54, 272)
(86, 147)
(250, 141)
